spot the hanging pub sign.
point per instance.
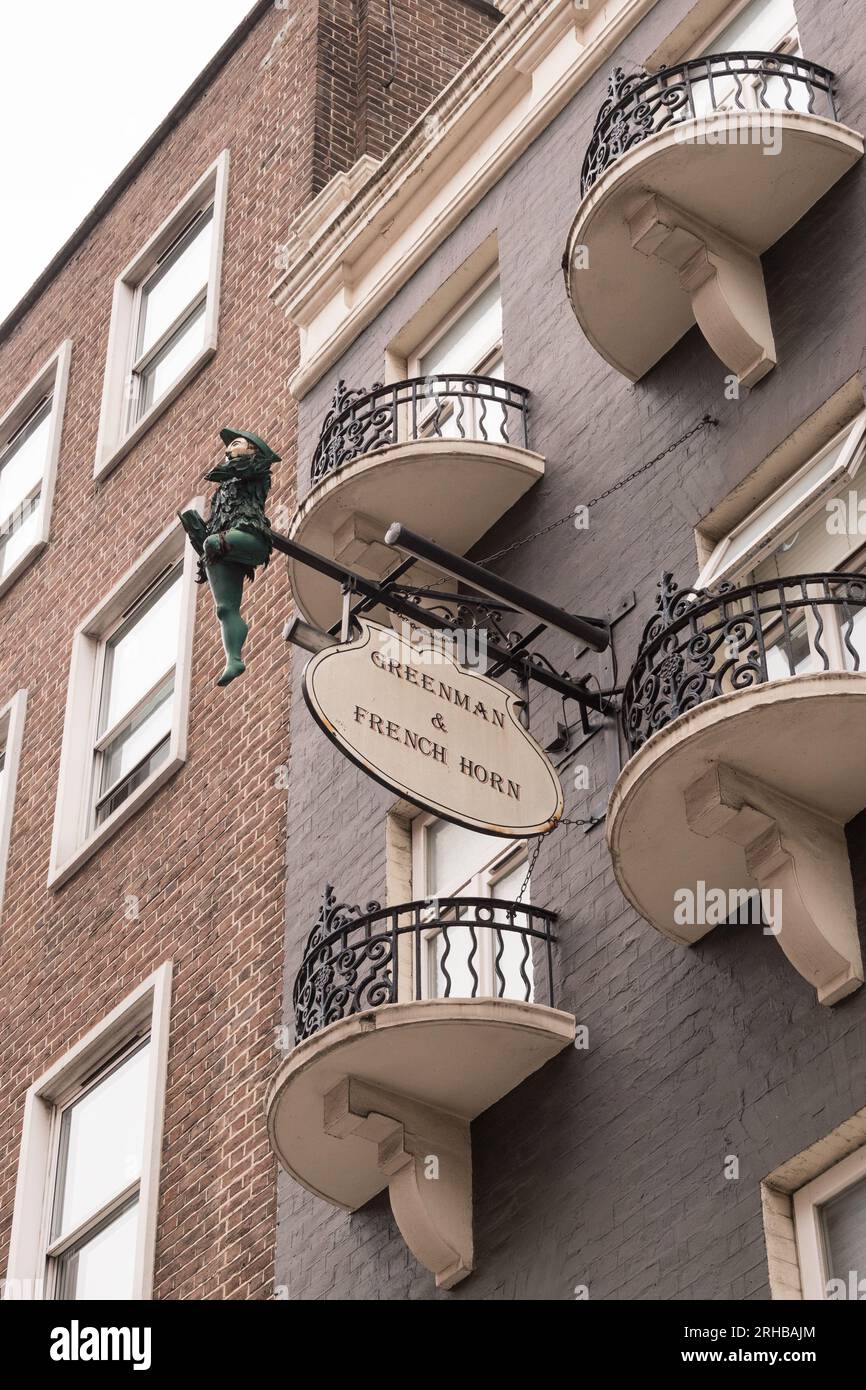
(441, 735)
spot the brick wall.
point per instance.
(205, 857)
(606, 1169)
(368, 91)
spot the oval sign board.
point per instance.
(435, 732)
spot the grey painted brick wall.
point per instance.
(607, 1167)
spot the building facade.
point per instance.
(570, 288)
(637, 248)
(142, 843)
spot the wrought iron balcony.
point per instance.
(703, 643)
(358, 958)
(642, 103)
(404, 452)
(411, 1021)
(745, 716)
(479, 408)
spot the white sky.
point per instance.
(84, 84)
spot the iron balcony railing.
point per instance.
(702, 643)
(358, 958)
(642, 103)
(430, 407)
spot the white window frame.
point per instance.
(51, 380)
(697, 31)
(116, 437)
(145, 1011)
(478, 367)
(73, 840)
(510, 855)
(463, 305)
(12, 716)
(807, 1201)
(714, 570)
(787, 41)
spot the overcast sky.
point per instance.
(84, 84)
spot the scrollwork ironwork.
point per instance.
(455, 405)
(703, 643)
(642, 103)
(352, 955)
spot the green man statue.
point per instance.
(236, 538)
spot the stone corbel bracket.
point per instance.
(799, 852)
(426, 1155)
(724, 281)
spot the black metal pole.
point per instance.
(572, 690)
(595, 634)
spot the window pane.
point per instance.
(758, 28)
(104, 1265)
(784, 503)
(149, 727)
(141, 652)
(101, 1143)
(175, 284)
(470, 339)
(515, 962)
(786, 512)
(23, 465)
(454, 855)
(174, 359)
(140, 774)
(19, 532)
(843, 1221)
(799, 650)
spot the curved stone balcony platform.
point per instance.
(445, 455)
(691, 174)
(383, 1083)
(748, 760)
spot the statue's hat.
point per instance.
(264, 449)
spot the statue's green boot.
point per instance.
(234, 667)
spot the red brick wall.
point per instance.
(368, 96)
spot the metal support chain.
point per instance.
(706, 421)
(563, 820)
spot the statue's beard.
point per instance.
(222, 471)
